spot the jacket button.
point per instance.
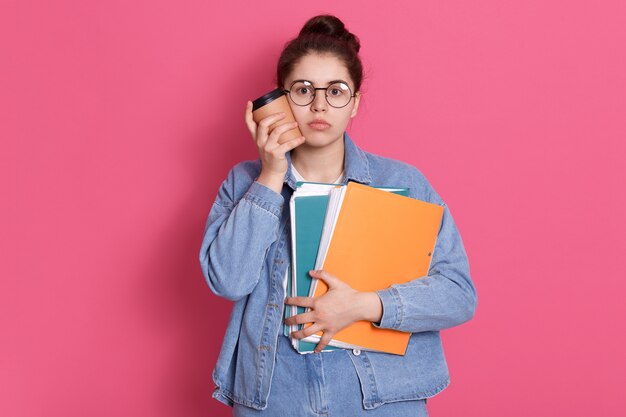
(356, 352)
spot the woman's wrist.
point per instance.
(273, 181)
(369, 307)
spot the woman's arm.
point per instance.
(237, 236)
(239, 231)
(446, 297)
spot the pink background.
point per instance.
(120, 119)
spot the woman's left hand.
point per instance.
(339, 307)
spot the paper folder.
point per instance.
(379, 239)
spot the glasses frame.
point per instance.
(315, 89)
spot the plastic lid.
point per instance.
(267, 98)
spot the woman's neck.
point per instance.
(319, 164)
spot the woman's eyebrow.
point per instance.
(327, 84)
(337, 81)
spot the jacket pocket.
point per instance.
(421, 373)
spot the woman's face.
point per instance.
(321, 70)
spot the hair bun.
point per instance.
(332, 26)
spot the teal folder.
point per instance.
(309, 221)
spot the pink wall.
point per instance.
(120, 119)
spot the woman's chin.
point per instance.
(320, 139)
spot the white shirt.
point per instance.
(301, 178)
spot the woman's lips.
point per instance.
(319, 125)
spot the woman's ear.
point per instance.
(357, 99)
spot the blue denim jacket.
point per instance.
(245, 253)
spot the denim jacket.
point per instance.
(245, 253)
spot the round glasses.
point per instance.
(302, 93)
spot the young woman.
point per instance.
(245, 254)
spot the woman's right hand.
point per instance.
(274, 164)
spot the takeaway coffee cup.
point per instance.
(275, 102)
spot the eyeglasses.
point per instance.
(302, 93)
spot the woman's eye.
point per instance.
(303, 91)
(335, 92)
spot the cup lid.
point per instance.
(267, 98)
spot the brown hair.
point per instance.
(322, 34)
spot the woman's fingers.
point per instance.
(290, 144)
(249, 120)
(300, 301)
(264, 125)
(272, 140)
(307, 331)
(300, 319)
(329, 279)
(324, 340)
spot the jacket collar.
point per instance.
(356, 165)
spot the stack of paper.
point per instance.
(308, 208)
(368, 238)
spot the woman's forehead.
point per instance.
(319, 69)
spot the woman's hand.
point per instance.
(274, 164)
(336, 309)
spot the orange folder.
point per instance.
(380, 239)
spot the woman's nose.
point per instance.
(319, 102)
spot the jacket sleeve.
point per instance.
(446, 297)
(237, 236)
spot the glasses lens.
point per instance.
(338, 94)
(302, 93)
